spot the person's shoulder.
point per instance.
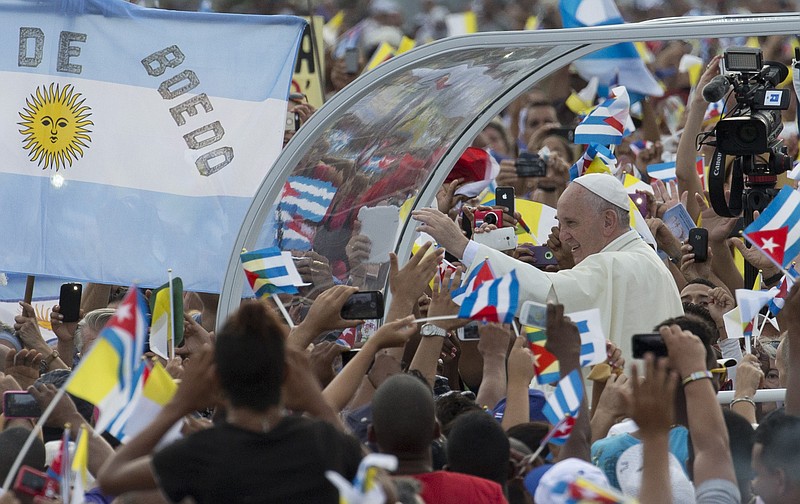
(458, 487)
(717, 491)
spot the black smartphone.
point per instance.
(20, 404)
(351, 65)
(652, 342)
(69, 301)
(698, 239)
(566, 133)
(348, 356)
(504, 197)
(363, 306)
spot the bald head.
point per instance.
(403, 420)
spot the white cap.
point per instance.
(553, 487)
(607, 187)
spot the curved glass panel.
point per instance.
(362, 173)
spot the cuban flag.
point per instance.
(565, 399)
(620, 61)
(560, 432)
(777, 230)
(597, 159)
(481, 274)
(545, 364)
(493, 301)
(663, 171)
(781, 291)
(270, 271)
(109, 374)
(292, 231)
(593, 340)
(130, 132)
(605, 125)
(307, 198)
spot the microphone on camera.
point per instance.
(715, 90)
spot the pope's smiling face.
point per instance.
(581, 225)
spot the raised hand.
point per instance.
(194, 337)
(651, 402)
(199, 388)
(690, 268)
(63, 413)
(442, 228)
(325, 313)
(562, 252)
(410, 281)
(27, 329)
(64, 331)
(23, 366)
(719, 228)
(563, 338)
(442, 303)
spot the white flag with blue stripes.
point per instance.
(134, 139)
(565, 399)
(593, 340)
(619, 63)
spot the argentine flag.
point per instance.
(619, 63)
(134, 139)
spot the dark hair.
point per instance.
(452, 405)
(702, 313)
(779, 436)
(11, 441)
(250, 357)
(403, 419)
(702, 281)
(531, 434)
(478, 446)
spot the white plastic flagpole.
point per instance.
(431, 319)
(283, 310)
(171, 335)
(516, 329)
(34, 432)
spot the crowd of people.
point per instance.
(293, 405)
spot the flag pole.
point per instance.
(29, 288)
(171, 334)
(431, 319)
(283, 310)
(33, 434)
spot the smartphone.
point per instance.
(292, 122)
(35, 483)
(504, 197)
(652, 342)
(469, 332)
(20, 404)
(640, 200)
(351, 65)
(544, 256)
(566, 133)
(498, 239)
(533, 314)
(69, 301)
(698, 239)
(348, 356)
(363, 305)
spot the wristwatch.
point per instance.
(432, 330)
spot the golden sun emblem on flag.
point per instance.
(55, 122)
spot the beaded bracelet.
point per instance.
(746, 399)
(697, 375)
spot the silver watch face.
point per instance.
(431, 330)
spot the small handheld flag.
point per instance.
(482, 273)
(605, 125)
(776, 232)
(493, 301)
(167, 317)
(593, 341)
(271, 271)
(80, 465)
(596, 159)
(565, 399)
(545, 363)
(107, 377)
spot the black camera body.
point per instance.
(531, 165)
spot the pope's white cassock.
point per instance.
(626, 281)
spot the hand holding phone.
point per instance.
(651, 342)
(698, 239)
(20, 404)
(363, 306)
(69, 302)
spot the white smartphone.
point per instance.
(533, 315)
(504, 238)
